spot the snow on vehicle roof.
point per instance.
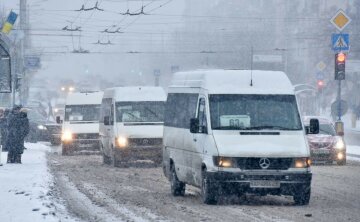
(139, 93)
(84, 98)
(322, 119)
(235, 81)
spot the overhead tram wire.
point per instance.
(137, 18)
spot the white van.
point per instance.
(80, 131)
(227, 132)
(131, 128)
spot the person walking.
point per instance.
(18, 128)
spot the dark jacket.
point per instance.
(18, 128)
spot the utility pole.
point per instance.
(20, 55)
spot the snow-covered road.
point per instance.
(25, 189)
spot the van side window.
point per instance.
(202, 116)
(179, 109)
(107, 110)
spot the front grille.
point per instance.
(319, 145)
(254, 163)
(145, 141)
(86, 136)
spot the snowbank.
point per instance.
(25, 188)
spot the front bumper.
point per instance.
(132, 153)
(81, 145)
(240, 182)
(327, 156)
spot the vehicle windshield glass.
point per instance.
(254, 112)
(140, 112)
(327, 129)
(79, 113)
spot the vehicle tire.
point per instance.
(66, 150)
(209, 192)
(341, 162)
(302, 197)
(106, 159)
(55, 142)
(177, 187)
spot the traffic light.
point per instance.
(340, 59)
(320, 85)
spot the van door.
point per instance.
(199, 140)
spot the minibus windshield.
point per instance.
(136, 112)
(254, 112)
(82, 113)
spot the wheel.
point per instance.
(302, 197)
(209, 192)
(341, 162)
(66, 150)
(106, 159)
(55, 142)
(177, 187)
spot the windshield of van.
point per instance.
(130, 112)
(82, 113)
(254, 112)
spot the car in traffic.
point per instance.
(230, 131)
(42, 129)
(326, 147)
(132, 121)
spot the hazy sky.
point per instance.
(141, 33)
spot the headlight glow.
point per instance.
(340, 156)
(122, 141)
(340, 144)
(41, 127)
(226, 162)
(66, 136)
(302, 162)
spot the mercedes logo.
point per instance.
(145, 141)
(264, 163)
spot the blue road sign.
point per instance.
(340, 42)
(320, 76)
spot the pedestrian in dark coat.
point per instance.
(3, 129)
(18, 128)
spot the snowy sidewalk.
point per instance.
(24, 188)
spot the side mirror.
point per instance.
(58, 120)
(107, 120)
(314, 127)
(194, 125)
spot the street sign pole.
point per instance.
(339, 99)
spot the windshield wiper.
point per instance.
(270, 127)
(133, 115)
(253, 128)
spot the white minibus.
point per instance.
(236, 131)
(80, 130)
(131, 127)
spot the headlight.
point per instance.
(41, 127)
(225, 162)
(340, 144)
(122, 141)
(66, 136)
(302, 162)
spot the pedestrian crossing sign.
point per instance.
(340, 42)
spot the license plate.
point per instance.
(85, 145)
(321, 151)
(264, 184)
